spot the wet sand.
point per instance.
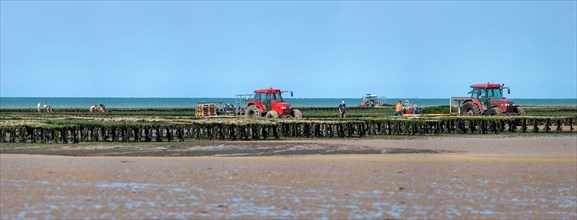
(505, 177)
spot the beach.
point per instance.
(398, 178)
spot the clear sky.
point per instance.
(317, 49)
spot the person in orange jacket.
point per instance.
(399, 108)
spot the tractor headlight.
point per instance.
(283, 107)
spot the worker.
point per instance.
(93, 108)
(228, 107)
(343, 109)
(238, 109)
(399, 108)
(102, 108)
(39, 106)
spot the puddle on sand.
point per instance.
(264, 201)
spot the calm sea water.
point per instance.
(31, 102)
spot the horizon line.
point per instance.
(119, 97)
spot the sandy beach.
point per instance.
(442, 177)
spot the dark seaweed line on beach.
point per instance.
(265, 130)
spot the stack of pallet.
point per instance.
(205, 110)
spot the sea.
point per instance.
(68, 102)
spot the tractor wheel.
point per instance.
(272, 114)
(252, 111)
(520, 111)
(470, 109)
(495, 111)
(297, 113)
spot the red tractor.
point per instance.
(488, 99)
(269, 103)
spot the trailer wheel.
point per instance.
(470, 109)
(252, 111)
(297, 113)
(272, 114)
(520, 111)
(495, 111)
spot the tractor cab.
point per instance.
(489, 91)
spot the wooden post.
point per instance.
(147, 134)
(22, 134)
(275, 132)
(12, 138)
(53, 136)
(136, 131)
(113, 133)
(547, 124)
(169, 133)
(64, 135)
(2, 135)
(180, 134)
(158, 134)
(74, 135)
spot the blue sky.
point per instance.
(317, 49)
